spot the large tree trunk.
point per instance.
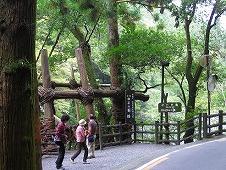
(193, 80)
(18, 87)
(115, 64)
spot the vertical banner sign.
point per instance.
(130, 106)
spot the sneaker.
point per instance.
(85, 162)
(72, 160)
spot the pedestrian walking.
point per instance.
(61, 139)
(81, 134)
(92, 128)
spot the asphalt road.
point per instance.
(210, 155)
(201, 155)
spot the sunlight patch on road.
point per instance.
(155, 163)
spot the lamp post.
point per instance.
(163, 96)
(205, 61)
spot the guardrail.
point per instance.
(203, 125)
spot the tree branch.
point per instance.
(56, 41)
(183, 98)
(145, 84)
(43, 45)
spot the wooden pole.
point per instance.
(49, 106)
(83, 78)
(76, 100)
(46, 81)
(71, 94)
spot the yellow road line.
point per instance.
(155, 163)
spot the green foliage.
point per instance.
(128, 15)
(21, 64)
(144, 47)
(142, 50)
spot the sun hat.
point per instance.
(82, 122)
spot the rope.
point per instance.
(87, 96)
(45, 95)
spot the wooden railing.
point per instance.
(110, 135)
(204, 126)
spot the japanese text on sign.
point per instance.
(169, 107)
(129, 106)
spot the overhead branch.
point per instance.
(145, 84)
(94, 27)
(180, 83)
(144, 3)
(217, 16)
(56, 41)
(43, 45)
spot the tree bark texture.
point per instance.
(18, 87)
(115, 61)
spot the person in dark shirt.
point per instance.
(61, 139)
(92, 128)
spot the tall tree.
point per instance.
(186, 14)
(18, 87)
(114, 60)
(193, 71)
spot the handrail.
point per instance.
(146, 132)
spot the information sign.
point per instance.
(129, 106)
(169, 107)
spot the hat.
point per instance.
(82, 122)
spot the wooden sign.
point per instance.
(169, 107)
(130, 106)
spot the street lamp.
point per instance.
(205, 61)
(163, 97)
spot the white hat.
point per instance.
(82, 122)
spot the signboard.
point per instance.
(129, 106)
(169, 107)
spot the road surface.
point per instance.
(209, 155)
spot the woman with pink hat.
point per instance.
(81, 134)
